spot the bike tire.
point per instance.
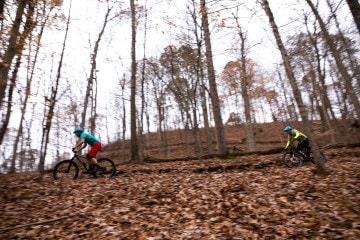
(66, 169)
(109, 168)
(292, 160)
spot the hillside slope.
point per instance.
(269, 136)
(249, 197)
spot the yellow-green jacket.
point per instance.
(295, 135)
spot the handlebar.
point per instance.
(74, 151)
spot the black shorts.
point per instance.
(304, 144)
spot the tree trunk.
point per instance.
(220, 131)
(9, 108)
(144, 105)
(196, 131)
(2, 5)
(291, 77)
(354, 6)
(93, 112)
(11, 49)
(123, 118)
(250, 136)
(134, 144)
(160, 131)
(200, 80)
(205, 111)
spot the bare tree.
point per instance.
(142, 90)
(345, 44)
(219, 125)
(338, 60)
(159, 91)
(135, 157)
(250, 136)
(297, 94)
(43, 19)
(200, 77)
(90, 91)
(51, 101)
(305, 53)
(28, 27)
(11, 49)
(181, 68)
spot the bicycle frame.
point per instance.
(302, 152)
(293, 151)
(80, 159)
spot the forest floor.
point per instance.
(247, 197)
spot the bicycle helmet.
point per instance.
(78, 130)
(287, 129)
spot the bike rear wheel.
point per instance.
(293, 159)
(66, 169)
(107, 168)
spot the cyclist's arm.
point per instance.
(80, 144)
(288, 143)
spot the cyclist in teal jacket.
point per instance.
(87, 138)
(297, 140)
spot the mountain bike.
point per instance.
(292, 157)
(70, 168)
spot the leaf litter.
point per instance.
(200, 199)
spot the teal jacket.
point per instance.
(89, 139)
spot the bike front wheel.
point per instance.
(66, 169)
(107, 167)
(293, 159)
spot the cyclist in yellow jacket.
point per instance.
(297, 140)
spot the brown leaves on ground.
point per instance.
(210, 199)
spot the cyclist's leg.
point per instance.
(92, 154)
(305, 148)
(300, 146)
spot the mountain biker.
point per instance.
(87, 138)
(297, 140)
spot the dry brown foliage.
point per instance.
(253, 197)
